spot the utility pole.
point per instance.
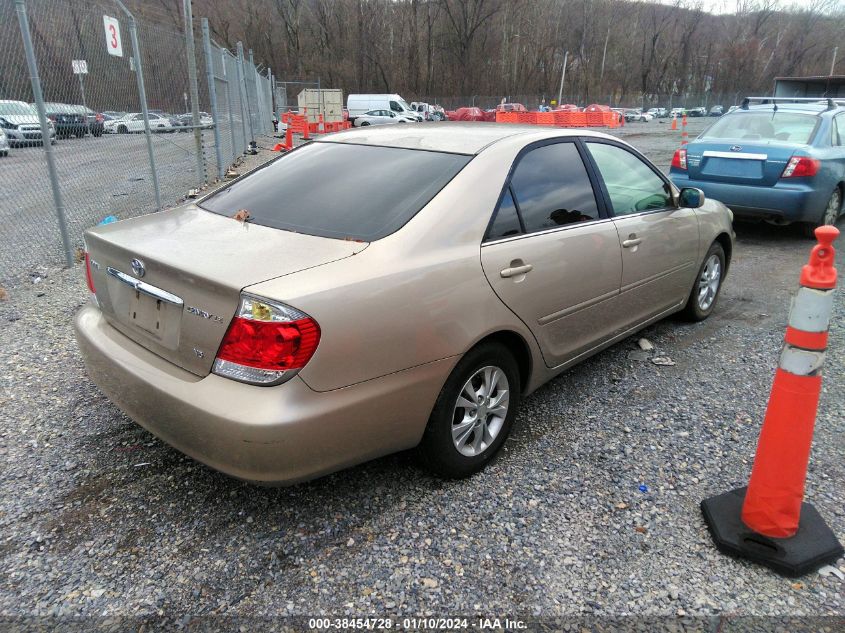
(562, 77)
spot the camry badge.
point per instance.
(138, 267)
(736, 148)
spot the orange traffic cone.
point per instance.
(674, 121)
(684, 135)
(768, 522)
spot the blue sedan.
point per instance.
(782, 162)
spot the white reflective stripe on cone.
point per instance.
(811, 310)
(800, 362)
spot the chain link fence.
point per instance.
(115, 93)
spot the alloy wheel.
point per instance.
(480, 411)
(708, 282)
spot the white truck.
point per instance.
(361, 104)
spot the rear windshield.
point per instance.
(339, 190)
(764, 126)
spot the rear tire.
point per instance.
(830, 215)
(708, 282)
(122, 129)
(460, 440)
(364, 124)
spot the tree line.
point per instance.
(614, 49)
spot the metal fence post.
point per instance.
(212, 95)
(230, 99)
(20, 6)
(242, 89)
(194, 89)
(142, 96)
(254, 112)
(247, 114)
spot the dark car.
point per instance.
(94, 120)
(67, 119)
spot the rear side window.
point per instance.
(838, 130)
(339, 190)
(552, 188)
(764, 126)
(506, 221)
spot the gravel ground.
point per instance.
(99, 518)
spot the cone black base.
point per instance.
(813, 546)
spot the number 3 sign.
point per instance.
(113, 43)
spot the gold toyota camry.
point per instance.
(383, 289)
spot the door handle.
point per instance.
(515, 271)
(632, 240)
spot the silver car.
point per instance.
(19, 122)
(381, 117)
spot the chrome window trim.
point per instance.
(145, 288)
(556, 229)
(740, 155)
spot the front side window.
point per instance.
(631, 184)
(373, 190)
(551, 188)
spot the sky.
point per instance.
(729, 6)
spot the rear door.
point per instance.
(659, 242)
(551, 255)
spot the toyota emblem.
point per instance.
(138, 267)
(736, 148)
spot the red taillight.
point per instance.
(266, 343)
(801, 166)
(88, 276)
(679, 160)
(269, 344)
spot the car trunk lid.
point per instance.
(759, 163)
(171, 281)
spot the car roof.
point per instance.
(451, 137)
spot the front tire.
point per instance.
(708, 282)
(473, 414)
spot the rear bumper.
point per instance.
(273, 435)
(793, 202)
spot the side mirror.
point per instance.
(691, 198)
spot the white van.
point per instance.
(361, 104)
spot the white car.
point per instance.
(381, 117)
(4, 144)
(134, 122)
(20, 124)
